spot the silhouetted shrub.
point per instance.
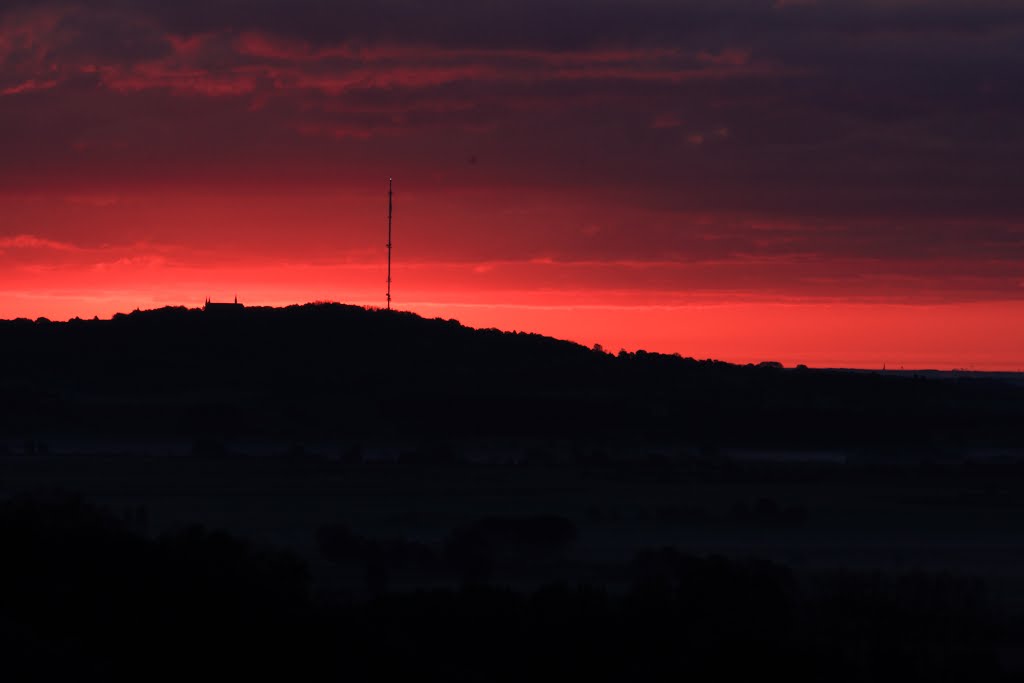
(380, 559)
(471, 556)
(476, 549)
(339, 545)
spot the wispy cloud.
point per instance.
(31, 85)
(33, 242)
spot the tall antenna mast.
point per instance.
(389, 244)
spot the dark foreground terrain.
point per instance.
(470, 572)
(324, 491)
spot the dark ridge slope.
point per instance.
(342, 371)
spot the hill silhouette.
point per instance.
(331, 370)
(295, 566)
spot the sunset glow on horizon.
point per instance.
(827, 183)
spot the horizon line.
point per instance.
(888, 368)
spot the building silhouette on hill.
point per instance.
(218, 308)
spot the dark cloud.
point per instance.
(883, 133)
(556, 24)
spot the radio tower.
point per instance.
(389, 244)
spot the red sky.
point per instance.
(830, 183)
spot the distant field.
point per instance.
(1016, 378)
